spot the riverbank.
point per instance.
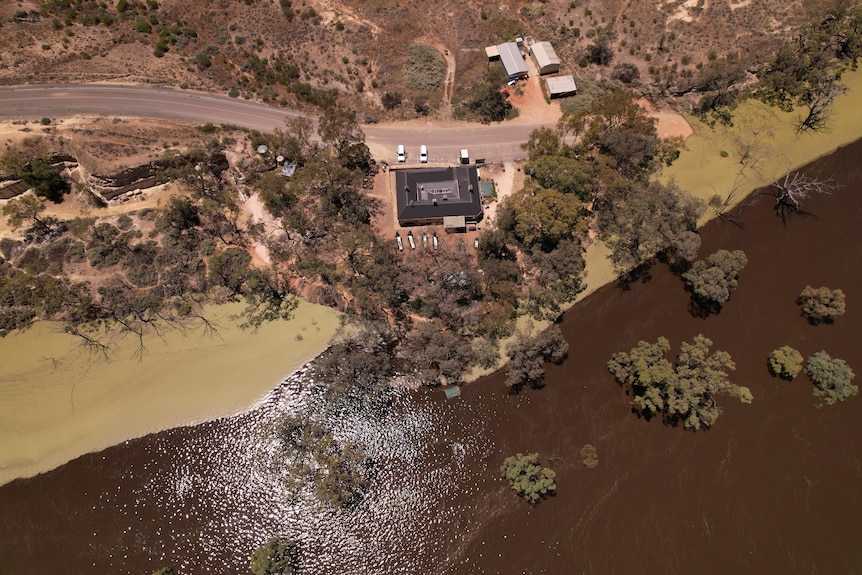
(58, 402)
(760, 147)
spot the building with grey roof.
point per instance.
(545, 57)
(427, 196)
(512, 60)
(561, 86)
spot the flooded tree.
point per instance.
(527, 355)
(785, 362)
(276, 557)
(821, 305)
(529, 479)
(832, 378)
(682, 392)
(436, 354)
(338, 471)
(589, 456)
(795, 187)
(358, 365)
(712, 280)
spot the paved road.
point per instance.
(444, 140)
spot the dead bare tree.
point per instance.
(796, 187)
(719, 204)
(749, 149)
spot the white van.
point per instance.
(402, 155)
(423, 154)
(465, 156)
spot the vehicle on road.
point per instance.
(402, 155)
(423, 154)
(465, 156)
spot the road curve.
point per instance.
(444, 139)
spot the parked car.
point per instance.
(423, 154)
(402, 155)
(465, 156)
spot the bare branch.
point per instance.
(796, 187)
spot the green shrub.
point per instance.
(785, 362)
(424, 68)
(529, 479)
(831, 377)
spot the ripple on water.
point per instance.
(216, 499)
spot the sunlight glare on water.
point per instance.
(218, 497)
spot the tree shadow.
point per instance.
(815, 321)
(787, 212)
(641, 274)
(703, 309)
(645, 415)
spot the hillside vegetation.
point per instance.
(309, 53)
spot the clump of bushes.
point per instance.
(424, 68)
(529, 479)
(821, 305)
(832, 378)
(785, 362)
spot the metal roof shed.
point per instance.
(561, 86)
(492, 53)
(545, 58)
(512, 60)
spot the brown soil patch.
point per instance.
(670, 124)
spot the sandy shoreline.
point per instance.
(56, 404)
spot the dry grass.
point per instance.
(360, 48)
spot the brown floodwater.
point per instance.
(773, 487)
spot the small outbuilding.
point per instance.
(487, 189)
(545, 57)
(492, 53)
(513, 60)
(561, 86)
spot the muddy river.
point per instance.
(773, 487)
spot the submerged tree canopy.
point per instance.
(712, 280)
(822, 304)
(529, 479)
(681, 392)
(832, 378)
